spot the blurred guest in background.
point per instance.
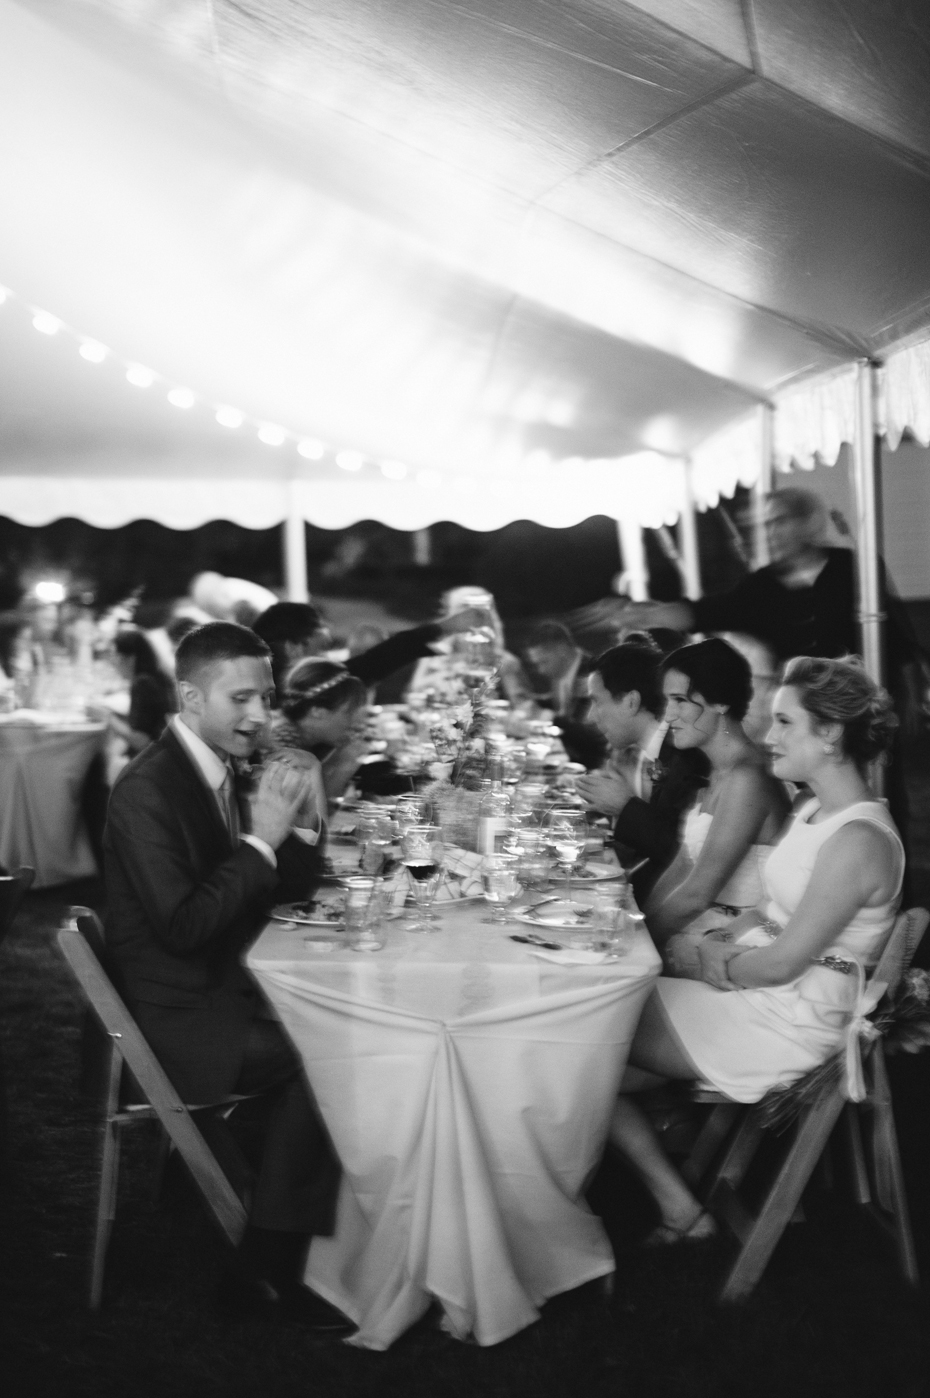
(469, 610)
(296, 630)
(322, 711)
(151, 693)
(564, 667)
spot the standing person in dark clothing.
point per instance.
(802, 603)
(296, 630)
(648, 783)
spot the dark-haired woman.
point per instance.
(322, 713)
(151, 693)
(781, 989)
(729, 833)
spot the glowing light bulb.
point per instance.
(140, 376)
(271, 434)
(229, 417)
(430, 480)
(93, 351)
(394, 470)
(311, 449)
(181, 398)
(350, 460)
(50, 592)
(46, 324)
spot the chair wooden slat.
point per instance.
(162, 1101)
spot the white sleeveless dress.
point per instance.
(743, 890)
(745, 1042)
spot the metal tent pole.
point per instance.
(633, 553)
(764, 485)
(294, 545)
(687, 529)
(866, 468)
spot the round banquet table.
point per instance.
(43, 766)
(468, 1087)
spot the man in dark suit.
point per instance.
(647, 784)
(191, 873)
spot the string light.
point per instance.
(271, 433)
(46, 324)
(350, 460)
(93, 351)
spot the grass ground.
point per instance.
(831, 1316)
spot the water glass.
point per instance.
(364, 916)
(500, 875)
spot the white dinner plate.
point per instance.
(556, 912)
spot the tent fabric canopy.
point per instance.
(537, 253)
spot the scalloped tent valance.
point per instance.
(524, 259)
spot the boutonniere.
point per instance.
(656, 772)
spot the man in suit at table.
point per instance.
(191, 874)
(647, 784)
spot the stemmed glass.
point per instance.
(423, 854)
(500, 874)
(375, 835)
(566, 832)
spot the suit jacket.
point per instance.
(652, 829)
(183, 904)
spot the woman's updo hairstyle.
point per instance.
(715, 671)
(319, 684)
(840, 691)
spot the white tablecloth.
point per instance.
(43, 765)
(468, 1088)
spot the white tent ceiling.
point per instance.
(504, 242)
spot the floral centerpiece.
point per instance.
(459, 734)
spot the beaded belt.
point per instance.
(836, 963)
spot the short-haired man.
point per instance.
(191, 873)
(648, 784)
(552, 653)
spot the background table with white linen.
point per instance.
(44, 761)
(468, 1087)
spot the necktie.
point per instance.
(229, 806)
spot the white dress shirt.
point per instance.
(214, 770)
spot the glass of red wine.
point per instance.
(423, 854)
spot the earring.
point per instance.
(828, 747)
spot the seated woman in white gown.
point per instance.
(779, 987)
(730, 831)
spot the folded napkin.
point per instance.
(461, 879)
(569, 956)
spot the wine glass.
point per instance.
(411, 810)
(566, 831)
(423, 854)
(500, 874)
(375, 835)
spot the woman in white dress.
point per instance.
(778, 989)
(729, 832)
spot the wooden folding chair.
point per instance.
(13, 888)
(732, 1134)
(82, 944)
